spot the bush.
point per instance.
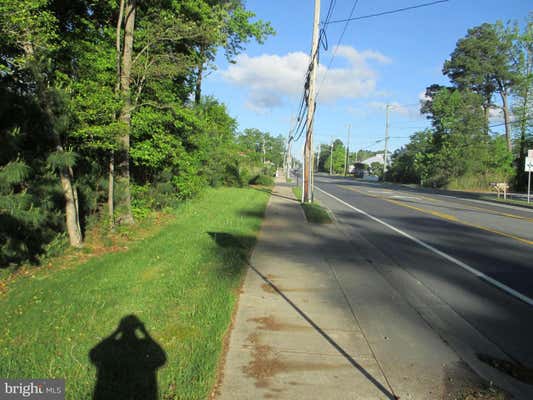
(261, 179)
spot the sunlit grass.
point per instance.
(314, 212)
(179, 283)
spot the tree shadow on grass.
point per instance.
(241, 243)
(127, 363)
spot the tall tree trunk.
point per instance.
(123, 154)
(111, 190)
(198, 85)
(524, 107)
(505, 109)
(72, 213)
(486, 113)
(70, 193)
(111, 166)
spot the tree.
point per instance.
(30, 37)
(87, 84)
(482, 62)
(338, 154)
(227, 24)
(523, 98)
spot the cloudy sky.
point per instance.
(388, 59)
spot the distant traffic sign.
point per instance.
(528, 167)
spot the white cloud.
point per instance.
(271, 78)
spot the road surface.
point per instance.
(476, 257)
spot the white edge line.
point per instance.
(454, 260)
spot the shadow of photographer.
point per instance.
(127, 363)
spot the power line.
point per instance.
(395, 11)
(336, 47)
(303, 108)
(513, 122)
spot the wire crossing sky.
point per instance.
(384, 51)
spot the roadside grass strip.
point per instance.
(315, 213)
(169, 297)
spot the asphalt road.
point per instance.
(476, 257)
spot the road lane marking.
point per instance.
(455, 219)
(447, 217)
(444, 255)
(433, 200)
(474, 208)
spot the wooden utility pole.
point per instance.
(264, 151)
(308, 159)
(288, 155)
(346, 160)
(386, 140)
(318, 157)
(331, 159)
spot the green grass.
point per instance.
(314, 213)
(522, 203)
(182, 283)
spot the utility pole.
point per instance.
(347, 152)
(318, 157)
(308, 158)
(331, 158)
(288, 155)
(386, 141)
(264, 151)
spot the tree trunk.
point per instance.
(72, 213)
(111, 191)
(506, 120)
(123, 154)
(111, 166)
(198, 87)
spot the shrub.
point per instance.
(261, 179)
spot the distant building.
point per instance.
(361, 169)
(377, 158)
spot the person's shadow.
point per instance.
(127, 363)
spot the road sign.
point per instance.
(528, 167)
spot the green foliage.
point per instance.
(265, 180)
(339, 155)
(376, 169)
(62, 159)
(60, 104)
(456, 152)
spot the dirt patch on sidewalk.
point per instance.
(271, 324)
(267, 363)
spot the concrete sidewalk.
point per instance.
(316, 320)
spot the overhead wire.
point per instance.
(336, 48)
(302, 114)
(379, 14)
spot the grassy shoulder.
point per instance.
(181, 283)
(314, 213)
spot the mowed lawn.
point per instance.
(182, 284)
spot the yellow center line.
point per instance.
(474, 208)
(443, 216)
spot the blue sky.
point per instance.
(388, 59)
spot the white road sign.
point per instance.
(529, 164)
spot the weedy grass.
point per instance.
(315, 213)
(182, 283)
